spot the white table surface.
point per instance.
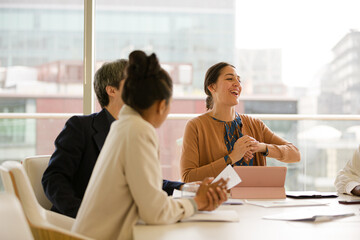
(252, 226)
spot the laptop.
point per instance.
(260, 182)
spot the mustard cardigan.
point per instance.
(204, 148)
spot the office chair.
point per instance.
(34, 167)
(13, 224)
(44, 224)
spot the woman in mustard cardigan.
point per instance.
(222, 136)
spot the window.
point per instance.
(41, 57)
(289, 65)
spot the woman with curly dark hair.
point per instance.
(126, 184)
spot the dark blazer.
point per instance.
(76, 150)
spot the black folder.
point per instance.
(310, 194)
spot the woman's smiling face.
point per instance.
(227, 89)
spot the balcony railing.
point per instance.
(326, 142)
(181, 116)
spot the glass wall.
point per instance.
(188, 37)
(41, 70)
(325, 146)
(288, 63)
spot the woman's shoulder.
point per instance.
(248, 118)
(202, 119)
(251, 122)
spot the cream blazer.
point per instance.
(349, 176)
(126, 184)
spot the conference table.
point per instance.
(252, 225)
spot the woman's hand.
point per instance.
(244, 145)
(258, 147)
(248, 156)
(211, 195)
(217, 195)
(252, 146)
(356, 190)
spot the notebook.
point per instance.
(260, 182)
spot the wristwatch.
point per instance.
(267, 151)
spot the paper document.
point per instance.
(310, 215)
(230, 173)
(214, 216)
(286, 203)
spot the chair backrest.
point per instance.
(42, 222)
(6, 180)
(23, 190)
(9, 179)
(35, 167)
(13, 224)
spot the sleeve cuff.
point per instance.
(267, 152)
(228, 160)
(180, 186)
(350, 186)
(194, 204)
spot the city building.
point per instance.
(41, 59)
(340, 84)
(261, 71)
(187, 32)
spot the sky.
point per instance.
(305, 30)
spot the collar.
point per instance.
(109, 117)
(237, 119)
(127, 111)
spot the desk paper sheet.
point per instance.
(285, 203)
(310, 215)
(214, 216)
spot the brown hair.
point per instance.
(211, 77)
(110, 74)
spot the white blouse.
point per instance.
(349, 177)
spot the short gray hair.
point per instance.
(110, 74)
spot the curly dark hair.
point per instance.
(145, 81)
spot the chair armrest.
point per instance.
(59, 220)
